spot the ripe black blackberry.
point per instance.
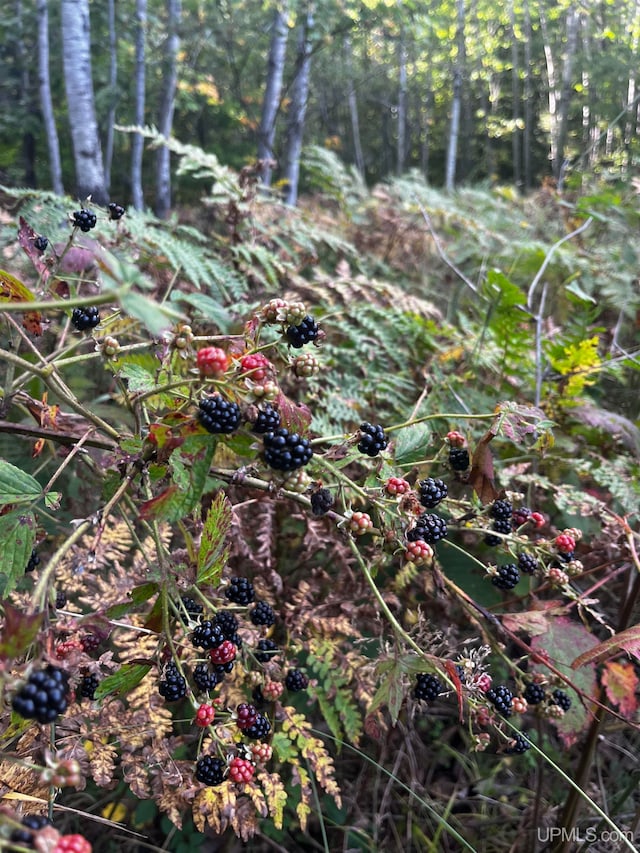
(116, 211)
(173, 686)
(207, 635)
(266, 650)
(534, 693)
(286, 451)
(61, 599)
(84, 219)
(527, 563)
(90, 642)
(219, 416)
(501, 698)
(372, 439)
(262, 614)
(204, 678)
(84, 319)
(427, 687)
(40, 243)
(429, 527)
(44, 696)
(258, 697)
(321, 502)
(459, 458)
(521, 744)
(88, 685)
(192, 606)
(501, 510)
(296, 680)
(229, 624)
(34, 561)
(431, 492)
(303, 333)
(520, 516)
(222, 669)
(211, 771)
(267, 420)
(260, 729)
(240, 591)
(32, 823)
(500, 526)
(507, 578)
(559, 697)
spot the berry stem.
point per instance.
(65, 304)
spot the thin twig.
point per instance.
(550, 254)
(441, 251)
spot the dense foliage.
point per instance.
(387, 627)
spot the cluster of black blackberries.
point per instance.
(507, 577)
(219, 416)
(321, 502)
(429, 528)
(427, 687)
(267, 420)
(32, 823)
(84, 219)
(303, 333)
(372, 439)
(173, 686)
(210, 770)
(265, 651)
(296, 680)
(459, 458)
(116, 211)
(40, 243)
(262, 614)
(502, 699)
(34, 561)
(84, 319)
(44, 696)
(240, 591)
(88, 686)
(527, 563)
(286, 451)
(431, 491)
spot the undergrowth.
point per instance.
(432, 641)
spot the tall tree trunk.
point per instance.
(401, 149)
(456, 105)
(527, 136)
(632, 106)
(553, 97)
(78, 82)
(137, 196)
(113, 94)
(167, 105)
(353, 108)
(516, 134)
(44, 82)
(273, 90)
(25, 99)
(298, 108)
(565, 93)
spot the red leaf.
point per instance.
(455, 677)
(13, 290)
(153, 507)
(20, 630)
(621, 683)
(481, 476)
(296, 417)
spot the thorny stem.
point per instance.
(411, 422)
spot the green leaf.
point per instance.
(52, 500)
(328, 712)
(138, 595)
(17, 537)
(156, 318)
(213, 553)
(138, 378)
(206, 307)
(123, 681)
(412, 444)
(16, 486)
(503, 291)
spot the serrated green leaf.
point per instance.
(123, 681)
(212, 555)
(138, 595)
(502, 291)
(155, 317)
(283, 748)
(412, 444)
(17, 537)
(52, 500)
(207, 307)
(16, 486)
(138, 378)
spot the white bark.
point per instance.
(456, 106)
(273, 90)
(113, 82)
(78, 82)
(299, 96)
(353, 107)
(46, 102)
(167, 105)
(137, 197)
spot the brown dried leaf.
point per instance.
(481, 476)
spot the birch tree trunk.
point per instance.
(527, 135)
(46, 103)
(273, 90)
(78, 83)
(553, 96)
(25, 98)
(167, 105)
(298, 109)
(113, 94)
(456, 105)
(516, 135)
(401, 149)
(353, 107)
(137, 196)
(566, 89)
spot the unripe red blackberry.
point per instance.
(246, 715)
(224, 653)
(397, 486)
(256, 366)
(418, 552)
(360, 523)
(212, 361)
(72, 844)
(565, 543)
(205, 715)
(241, 770)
